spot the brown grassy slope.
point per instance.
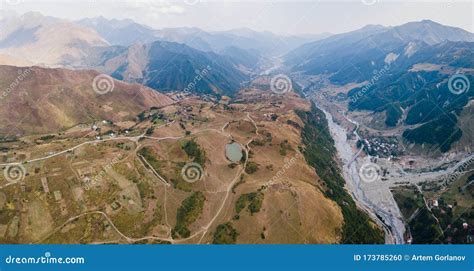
(294, 208)
(48, 100)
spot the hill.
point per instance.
(38, 100)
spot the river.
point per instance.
(390, 221)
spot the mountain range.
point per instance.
(403, 72)
(172, 66)
(127, 32)
(35, 39)
(165, 59)
(110, 119)
(370, 48)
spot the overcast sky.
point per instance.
(283, 17)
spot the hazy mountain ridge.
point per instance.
(44, 40)
(127, 32)
(404, 71)
(122, 48)
(169, 66)
(119, 32)
(367, 48)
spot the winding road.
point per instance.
(202, 232)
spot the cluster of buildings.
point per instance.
(381, 146)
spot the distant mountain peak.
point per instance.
(372, 27)
(431, 32)
(32, 14)
(371, 42)
(101, 20)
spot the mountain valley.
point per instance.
(115, 132)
